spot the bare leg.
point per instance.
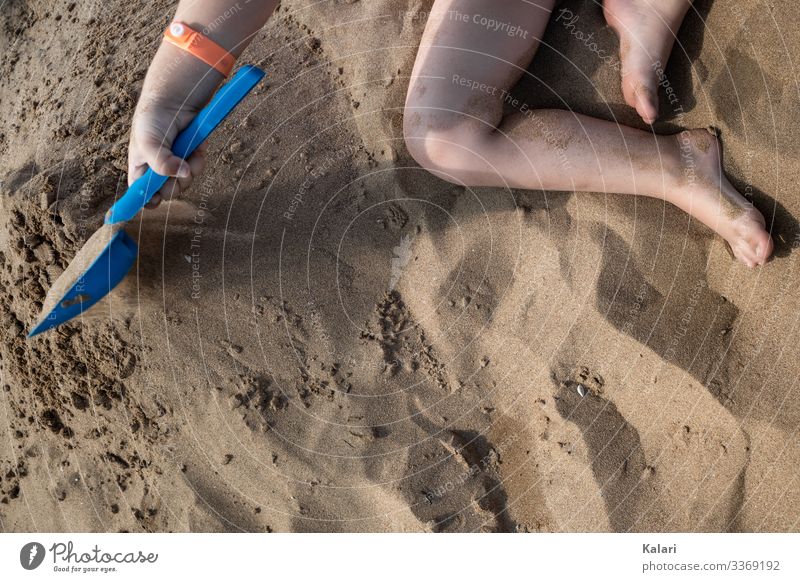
(646, 30)
(454, 127)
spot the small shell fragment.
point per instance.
(581, 390)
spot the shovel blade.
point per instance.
(97, 281)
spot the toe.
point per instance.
(754, 247)
(763, 247)
(745, 256)
(646, 32)
(639, 85)
(646, 105)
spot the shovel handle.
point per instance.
(224, 101)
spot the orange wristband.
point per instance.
(199, 45)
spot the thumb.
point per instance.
(161, 159)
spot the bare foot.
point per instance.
(703, 191)
(646, 30)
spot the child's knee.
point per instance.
(446, 152)
(428, 147)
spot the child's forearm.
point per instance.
(178, 79)
(230, 23)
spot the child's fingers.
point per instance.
(136, 168)
(154, 201)
(169, 188)
(173, 186)
(161, 159)
(197, 163)
(183, 184)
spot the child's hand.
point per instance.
(177, 86)
(155, 125)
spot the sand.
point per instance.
(326, 338)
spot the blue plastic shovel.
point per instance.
(105, 259)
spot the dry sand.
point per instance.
(395, 353)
